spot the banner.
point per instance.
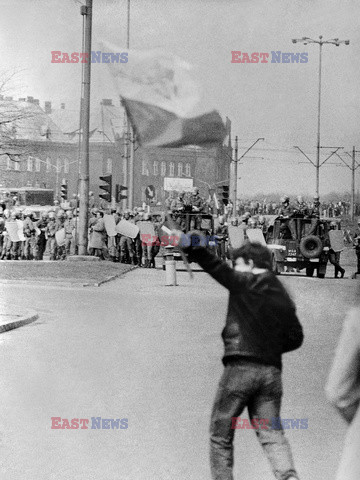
(127, 228)
(172, 184)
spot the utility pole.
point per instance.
(131, 138)
(354, 166)
(85, 10)
(236, 164)
(235, 172)
(320, 42)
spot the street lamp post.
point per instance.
(320, 42)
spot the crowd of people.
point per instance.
(38, 232)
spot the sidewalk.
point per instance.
(60, 273)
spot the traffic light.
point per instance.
(225, 194)
(107, 188)
(118, 193)
(64, 191)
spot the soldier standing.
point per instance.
(315, 215)
(357, 245)
(197, 205)
(41, 224)
(286, 212)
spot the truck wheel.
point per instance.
(309, 271)
(310, 246)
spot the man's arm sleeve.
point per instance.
(295, 335)
(218, 269)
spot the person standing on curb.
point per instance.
(261, 325)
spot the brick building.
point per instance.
(41, 149)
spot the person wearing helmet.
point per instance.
(357, 245)
(252, 223)
(197, 206)
(334, 257)
(314, 213)
(286, 213)
(29, 233)
(40, 246)
(98, 236)
(221, 236)
(60, 219)
(69, 227)
(50, 231)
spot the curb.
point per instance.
(30, 317)
(110, 279)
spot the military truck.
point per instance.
(306, 251)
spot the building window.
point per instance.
(58, 165)
(66, 165)
(109, 166)
(145, 170)
(30, 164)
(188, 170)
(180, 169)
(8, 164)
(163, 169)
(156, 168)
(17, 166)
(172, 169)
(37, 165)
(48, 165)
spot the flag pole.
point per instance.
(86, 11)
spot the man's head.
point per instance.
(251, 255)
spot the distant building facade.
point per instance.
(44, 151)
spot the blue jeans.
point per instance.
(259, 388)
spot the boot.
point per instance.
(133, 261)
(122, 259)
(147, 263)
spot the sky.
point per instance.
(277, 102)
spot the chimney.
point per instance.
(30, 99)
(106, 101)
(36, 101)
(8, 98)
(22, 99)
(62, 106)
(48, 108)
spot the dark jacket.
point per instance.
(261, 322)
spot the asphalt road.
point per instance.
(136, 349)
